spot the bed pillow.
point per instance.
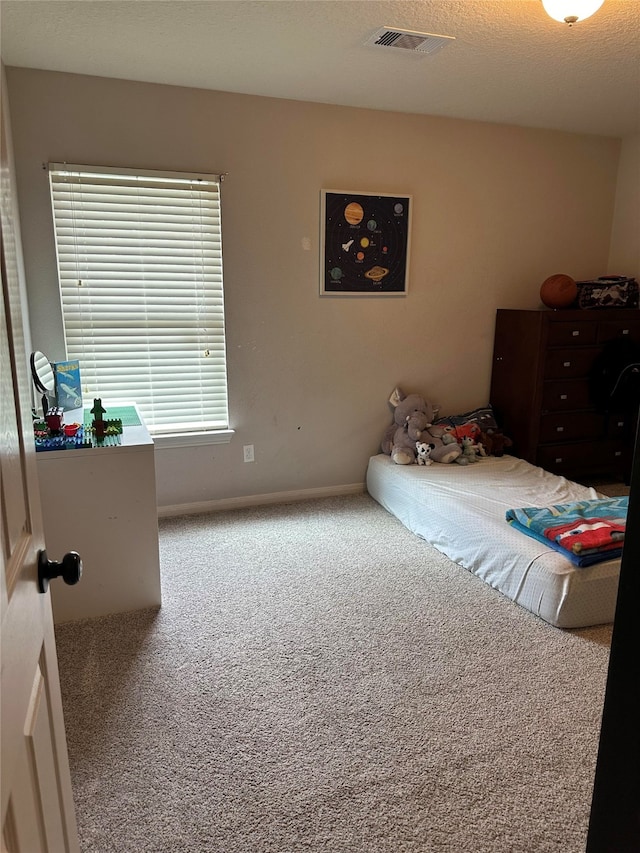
(483, 416)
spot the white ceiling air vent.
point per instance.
(408, 40)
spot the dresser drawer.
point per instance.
(570, 426)
(563, 395)
(618, 426)
(578, 333)
(585, 455)
(609, 330)
(569, 363)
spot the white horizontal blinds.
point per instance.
(140, 269)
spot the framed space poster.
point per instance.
(364, 243)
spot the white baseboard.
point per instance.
(260, 500)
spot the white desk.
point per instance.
(101, 502)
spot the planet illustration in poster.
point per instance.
(336, 274)
(376, 273)
(353, 213)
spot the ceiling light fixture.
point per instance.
(571, 11)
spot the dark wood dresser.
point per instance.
(540, 390)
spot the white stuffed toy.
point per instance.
(423, 451)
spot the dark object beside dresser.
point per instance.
(541, 390)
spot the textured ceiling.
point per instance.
(510, 63)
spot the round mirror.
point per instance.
(42, 373)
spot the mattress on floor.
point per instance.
(460, 510)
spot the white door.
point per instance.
(37, 804)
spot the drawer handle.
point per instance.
(625, 331)
(618, 453)
(563, 396)
(575, 334)
(620, 423)
(559, 429)
(559, 460)
(567, 364)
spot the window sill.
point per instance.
(192, 439)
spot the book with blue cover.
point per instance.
(68, 387)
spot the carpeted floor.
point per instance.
(318, 679)
(611, 489)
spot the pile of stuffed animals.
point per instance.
(414, 438)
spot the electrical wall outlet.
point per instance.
(248, 453)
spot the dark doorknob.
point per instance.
(70, 568)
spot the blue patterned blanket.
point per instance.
(586, 532)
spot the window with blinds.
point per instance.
(140, 271)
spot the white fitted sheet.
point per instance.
(460, 510)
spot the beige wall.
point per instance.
(625, 235)
(496, 210)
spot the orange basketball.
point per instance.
(558, 291)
